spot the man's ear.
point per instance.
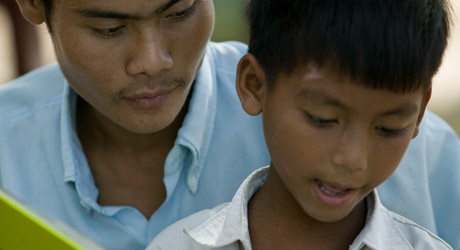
(426, 99)
(32, 10)
(251, 84)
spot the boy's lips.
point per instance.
(333, 194)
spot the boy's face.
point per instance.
(331, 141)
(134, 61)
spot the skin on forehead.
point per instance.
(123, 9)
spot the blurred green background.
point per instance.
(230, 21)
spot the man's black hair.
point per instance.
(397, 45)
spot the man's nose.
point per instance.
(150, 56)
(352, 151)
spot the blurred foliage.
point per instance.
(230, 21)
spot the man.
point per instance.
(143, 126)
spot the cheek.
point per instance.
(89, 56)
(86, 64)
(387, 158)
(194, 38)
(291, 143)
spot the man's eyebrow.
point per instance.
(98, 13)
(166, 6)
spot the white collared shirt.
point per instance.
(226, 226)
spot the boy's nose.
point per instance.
(351, 152)
(150, 56)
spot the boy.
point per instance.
(338, 115)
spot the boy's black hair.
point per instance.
(396, 45)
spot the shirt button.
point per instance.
(192, 183)
(86, 206)
(171, 168)
(173, 160)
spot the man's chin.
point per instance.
(146, 129)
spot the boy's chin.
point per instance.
(332, 215)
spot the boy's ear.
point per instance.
(250, 84)
(32, 10)
(426, 99)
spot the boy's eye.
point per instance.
(181, 14)
(390, 132)
(320, 122)
(111, 32)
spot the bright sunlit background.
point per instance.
(230, 25)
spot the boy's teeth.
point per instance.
(327, 191)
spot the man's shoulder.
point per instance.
(418, 236)
(435, 143)
(226, 55)
(41, 87)
(433, 125)
(228, 49)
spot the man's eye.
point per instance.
(181, 14)
(320, 122)
(111, 32)
(391, 132)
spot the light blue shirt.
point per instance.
(218, 146)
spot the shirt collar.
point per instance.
(379, 228)
(196, 131)
(231, 223)
(76, 168)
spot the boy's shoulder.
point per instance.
(176, 236)
(385, 229)
(223, 227)
(418, 236)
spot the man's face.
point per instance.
(332, 141)
(133, 61)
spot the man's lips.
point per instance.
(148, 99)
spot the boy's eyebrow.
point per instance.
(319, 97)
(405, 109)
(98, 13)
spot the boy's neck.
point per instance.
(276, 221)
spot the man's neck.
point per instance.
(273, 213)
(94, 127)
(127, 167)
